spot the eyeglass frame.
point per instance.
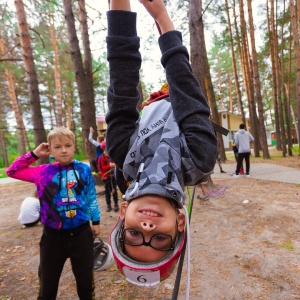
(173, 241)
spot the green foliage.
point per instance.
(2, 173)
(296, 148)
(79, 157)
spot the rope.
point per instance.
(187, 243)
(188, 213)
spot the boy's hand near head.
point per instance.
(43, 150)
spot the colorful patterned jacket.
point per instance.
(67, 194)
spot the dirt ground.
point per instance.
(238, 250)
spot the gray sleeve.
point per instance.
(95, 143)
(190, 107)
(124, 64)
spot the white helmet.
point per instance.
(103, 257)
(144, 273)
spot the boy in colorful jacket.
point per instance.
(69, 212)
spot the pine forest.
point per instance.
(53, 68)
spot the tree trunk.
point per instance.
(246, 64)
(3, 149)
(87, 105)
(271, 29)
(287, 88)
(58, 89)
(295, 29)
(199, 62)
(31, 76)
(14, 103)
(261, 127)
(88, 67)
(285, 114)
(236, 77)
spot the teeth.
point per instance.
(150, 213)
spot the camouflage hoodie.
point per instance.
(172, 144)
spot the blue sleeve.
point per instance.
(91, 198)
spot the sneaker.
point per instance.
(223, 171)
(116, 208)
(247, 175)
(108, 209)
(235, 175)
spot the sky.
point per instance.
(152, 69)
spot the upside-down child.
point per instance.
(69, 212)
(171, 145)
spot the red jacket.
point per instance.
(104, 166)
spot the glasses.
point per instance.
(159, 241)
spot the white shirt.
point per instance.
(29, 211)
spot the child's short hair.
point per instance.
(60, 131)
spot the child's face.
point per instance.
(150, 214)
(62, 148)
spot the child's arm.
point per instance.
(124, 64)
(158, 11)
(92, 201)
(120, 5)
(95, 143)
(189, 105)
(20, 168)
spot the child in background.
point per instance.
(68, 200)
(106, 168)
(99, 151)
(29, 211)
(171, 145)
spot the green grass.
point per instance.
(287, 245)
(2, 173)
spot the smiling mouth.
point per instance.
(150, 213)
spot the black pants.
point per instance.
(110, 185)
(236, 159)
(55, 248)
(241, 157)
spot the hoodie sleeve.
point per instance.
(251, 137)
(95, 143)
(91, 199)
(124, 64)
(20, 168)
(190, 107)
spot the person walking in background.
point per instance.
(242, 141)
(69, 212)
(99, 151)
(235, 152)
